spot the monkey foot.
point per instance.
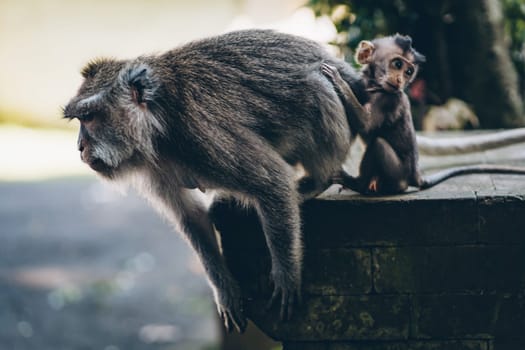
(229, 306)
(289, 294)
(372, 187)
(289, 298)
(232, 318)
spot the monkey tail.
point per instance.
(440, 176)
(468, 144)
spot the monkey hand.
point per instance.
(345, 92)
(332, 73)
(229, 305)
(289, 288)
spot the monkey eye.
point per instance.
(397, 63)
(409, 71)
(86, 117)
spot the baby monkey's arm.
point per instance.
(359, 116)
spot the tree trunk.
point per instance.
(468, 55)
(481, 70)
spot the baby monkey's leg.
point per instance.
(381, 170)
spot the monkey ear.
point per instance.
(364, 52)
(418, 57)
(140, 84)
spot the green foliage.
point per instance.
(353, 22)
(365, 19)
(514, 12)
(356, 20)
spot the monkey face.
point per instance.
(399, 73)
(102, 143)
(116, 125)
(393, 60)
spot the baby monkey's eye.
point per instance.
(397, 63)
(409, 71)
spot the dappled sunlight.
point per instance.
(159, 333)
(82, 264)
(50, 277)
(70, 284)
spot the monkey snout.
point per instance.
(81, 144)
(82, 149)
(82, 156)
(83, 152)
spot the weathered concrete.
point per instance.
(438, 269)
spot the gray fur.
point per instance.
(236, 113)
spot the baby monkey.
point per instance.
(390, 161)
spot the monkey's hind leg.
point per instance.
(310, 187)
(381, 169)
(307, 185)
(357, 184)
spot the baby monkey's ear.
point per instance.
(364, 52)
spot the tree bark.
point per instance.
(468, 55)
(481, 70)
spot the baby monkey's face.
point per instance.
(392, 61)
(400, 72)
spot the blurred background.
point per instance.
(85, 267)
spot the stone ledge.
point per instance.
(437, 269)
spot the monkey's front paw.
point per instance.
(330, 72)
(290, 292)
(229, 305)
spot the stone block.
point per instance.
(501, 218)
(337, 272)
(380, 222)
(469, 316)
(413, 345)
(457, 269)
(337, 318)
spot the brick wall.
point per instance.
(411, 272)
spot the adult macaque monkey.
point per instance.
(233, 113)
(390, 161)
